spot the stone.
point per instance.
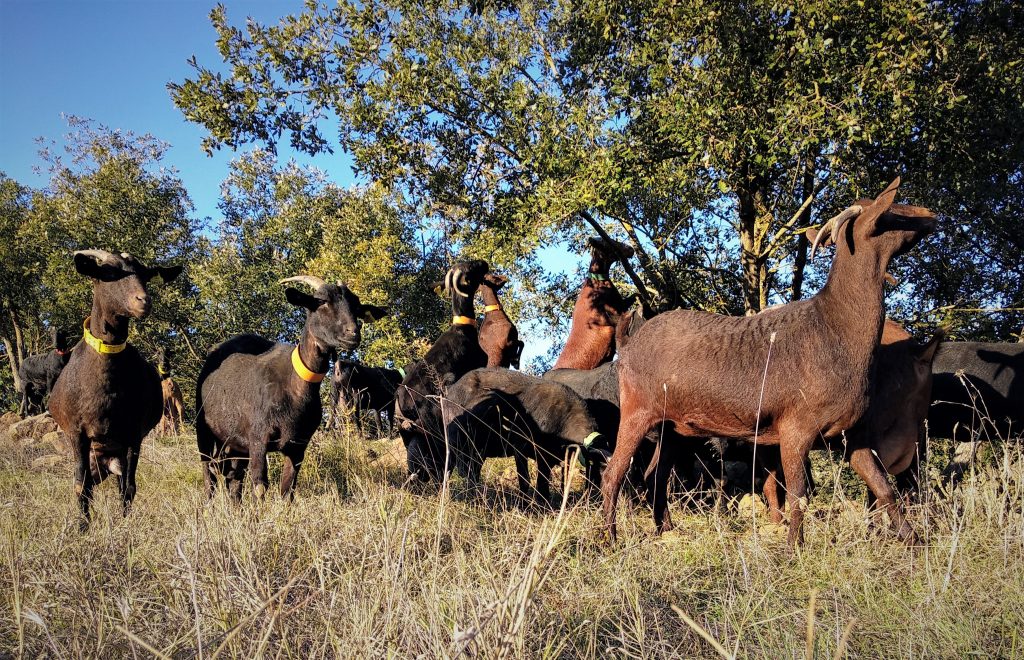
(59, 441)
(48, 461)
(31, 428)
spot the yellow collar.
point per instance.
(99, 345)
(463, 320)
(303, 371)
(491, 308)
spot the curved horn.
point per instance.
(101, 256)
(455, 283)
(312, 281)
(834, 224)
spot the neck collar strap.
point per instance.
(463, 320)
(163, 372)
(597, 277)
(97, 344)
(491, 308)
(304, 372)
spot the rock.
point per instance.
(48, 461)
(59, 441)
(7, 420)
(751, 504)
(32, 427)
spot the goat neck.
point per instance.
(852, 300)
(463, 305)
(314, 355)
(107, 326)
(490, 297)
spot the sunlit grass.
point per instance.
(359, 566)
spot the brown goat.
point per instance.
(108, 397)
(174, 404)
(598, 307)
(704, 372)
(498, 335)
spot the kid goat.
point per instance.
(108, 397)
(704, 371)
(256, 395)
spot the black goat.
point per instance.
(256, 395)
(988, 403)
(38, 374)
(494, 413)
(359, 388)
(456, 352)
(108, 397)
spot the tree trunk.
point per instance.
(800, 256)
(755, 221)
(13, 361)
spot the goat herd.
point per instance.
(830, 371)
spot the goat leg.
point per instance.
(658, 493)
(290, 473)
(794, 454)
(83, 479)
(523, 473)
(632, 428)
(864, 463)
(258, 468)
(545, 466)
(126, 480)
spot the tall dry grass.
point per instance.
(358, 566)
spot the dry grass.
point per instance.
(359, 567)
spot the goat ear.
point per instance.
(928, 352)
(881, 204)
(302, 299)
(89, 266)
(166, 273)
(373, 313)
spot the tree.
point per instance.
(704, 133)
(108, 190)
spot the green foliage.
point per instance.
(695, 131)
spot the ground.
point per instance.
(360, 566)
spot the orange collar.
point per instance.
(463, 320)
(491, 308)
(304, 372)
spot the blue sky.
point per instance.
(111, 61)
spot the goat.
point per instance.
(498, 335)
(256, 396)
(494, 413)
(38, 374)
(977, 391)
(456, 352)
(591, 339)
(108, 397)
(704, 372)
(173, 417)
(360, 388)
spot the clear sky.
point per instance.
(110, 60)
